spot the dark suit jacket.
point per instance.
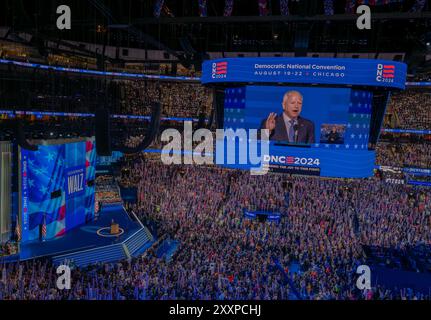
(305, 130)
(333, 137)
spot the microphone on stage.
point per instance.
(295, 129)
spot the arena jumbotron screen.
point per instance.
(302, 121)
(211, 159)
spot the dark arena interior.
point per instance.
(217, 150)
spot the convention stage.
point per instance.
(84, 237)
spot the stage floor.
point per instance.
(83, 237)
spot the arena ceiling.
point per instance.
(131, 23)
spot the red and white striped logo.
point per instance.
(219, 70)
(385, 72)
(388, 71)
(290, 160)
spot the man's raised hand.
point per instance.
(270, 121)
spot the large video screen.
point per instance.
(317, 117)
(54, 191)
(312, 130)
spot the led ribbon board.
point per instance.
(325, 71)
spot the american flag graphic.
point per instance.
(358, 126)
(45, 174)
(388, 71)
(290, 160)
(44, 229)
(18, 231)
(221, 68)
(234, 112)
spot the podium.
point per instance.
(115, 228)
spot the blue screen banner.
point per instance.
(50, 169)
(330, 71)
(419, 183)
(325, 162)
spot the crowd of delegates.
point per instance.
(185, 100)
(127, 132)
(409, 110)
(134, 141)
(46, 90)
(20, 52)
(8, 248)
(107, 190)
(403, 137)
(324, 226)
(404, 155)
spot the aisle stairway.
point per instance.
(131, 247)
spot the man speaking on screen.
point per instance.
(290, 126)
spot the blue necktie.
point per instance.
(292, 131)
